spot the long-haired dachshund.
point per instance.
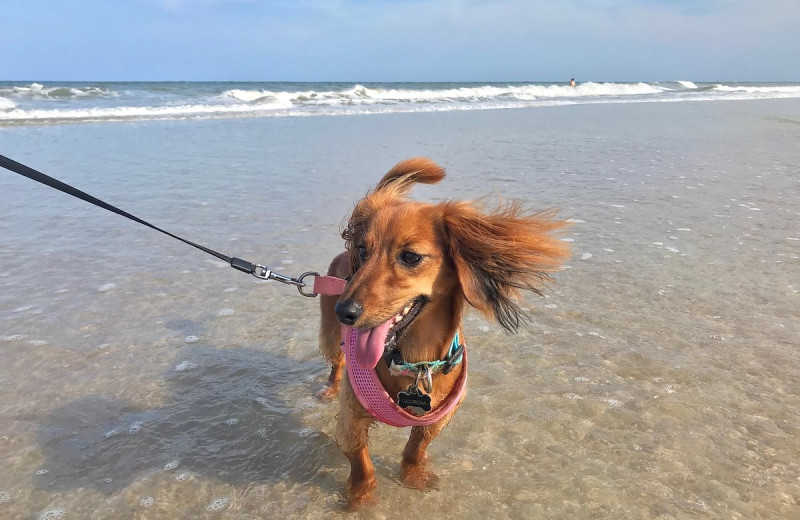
(412, 268)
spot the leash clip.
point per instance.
(262, 272)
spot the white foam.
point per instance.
(23, 308)
(614, 403)
(232, 421)
(686, 84)
(172, 465)
(185, 366)
(225, 312)
(135, 427)
(147, 501)
(586, 256)
(572, 396)
(107, 287)
(4, 497)
(218, 504)
(191, 339)
(14, 337)
(42, 472)
(55, 513)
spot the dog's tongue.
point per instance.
(370, 344)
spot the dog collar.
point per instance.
(373, 397)
(425, 369)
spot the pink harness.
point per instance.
(367, 385)
(372, 396)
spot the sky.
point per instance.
(400, 40)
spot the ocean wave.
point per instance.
(129, 113)
(6, 105)
(763, 89)
(39, 91)
(360, 94)
(39, 104)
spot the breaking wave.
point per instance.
(37, 103)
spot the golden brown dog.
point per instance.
(419, 264)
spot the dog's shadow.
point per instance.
(228, 415)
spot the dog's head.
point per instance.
(411, 259)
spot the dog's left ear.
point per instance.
(499, 253)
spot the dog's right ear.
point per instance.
(405, 173)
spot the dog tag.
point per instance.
(414, 401)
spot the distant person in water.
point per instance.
(572, 82)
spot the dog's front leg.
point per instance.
(329, 339)
(415, 465)
(352, 437)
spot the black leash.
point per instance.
(257, 270)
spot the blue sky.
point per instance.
(401, 40)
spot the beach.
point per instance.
(658, 378)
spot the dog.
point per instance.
(412, 268)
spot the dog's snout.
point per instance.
(348, 312)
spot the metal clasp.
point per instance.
(263, 272)
(424, 375)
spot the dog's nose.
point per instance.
(348, 312)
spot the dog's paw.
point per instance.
(361, 494)
(328, 393)
(420, 477)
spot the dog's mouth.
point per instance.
(373, 343)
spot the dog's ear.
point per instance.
(394, 185)
(499, 253)
(405, 173)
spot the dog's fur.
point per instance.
(448, 255)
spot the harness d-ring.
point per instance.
(301, 284)
(424, 375)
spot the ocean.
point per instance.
(142, 378)
(59, 102)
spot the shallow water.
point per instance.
(658, 379)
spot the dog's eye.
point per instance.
(362, 252)
(410, 258)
